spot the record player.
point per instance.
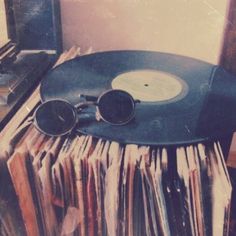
(29, 48)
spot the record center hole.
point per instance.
(146, 85)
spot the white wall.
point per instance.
(187, 27)
(3, 26)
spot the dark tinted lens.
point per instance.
(116, 106)
(55, 117)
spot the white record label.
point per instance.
(150, 85)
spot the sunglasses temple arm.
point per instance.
(89, 98)
(83, 105)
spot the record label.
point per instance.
(150, 85)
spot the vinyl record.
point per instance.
(182, 100)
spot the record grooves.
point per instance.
(198, 101)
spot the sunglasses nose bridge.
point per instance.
(83, 105)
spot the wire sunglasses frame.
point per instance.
(58, 117)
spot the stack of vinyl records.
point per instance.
(162, 173)
(81, 185)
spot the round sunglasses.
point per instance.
(59, 117)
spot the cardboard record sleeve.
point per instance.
(182, 100)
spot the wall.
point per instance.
(187, 27)
(3, 25)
